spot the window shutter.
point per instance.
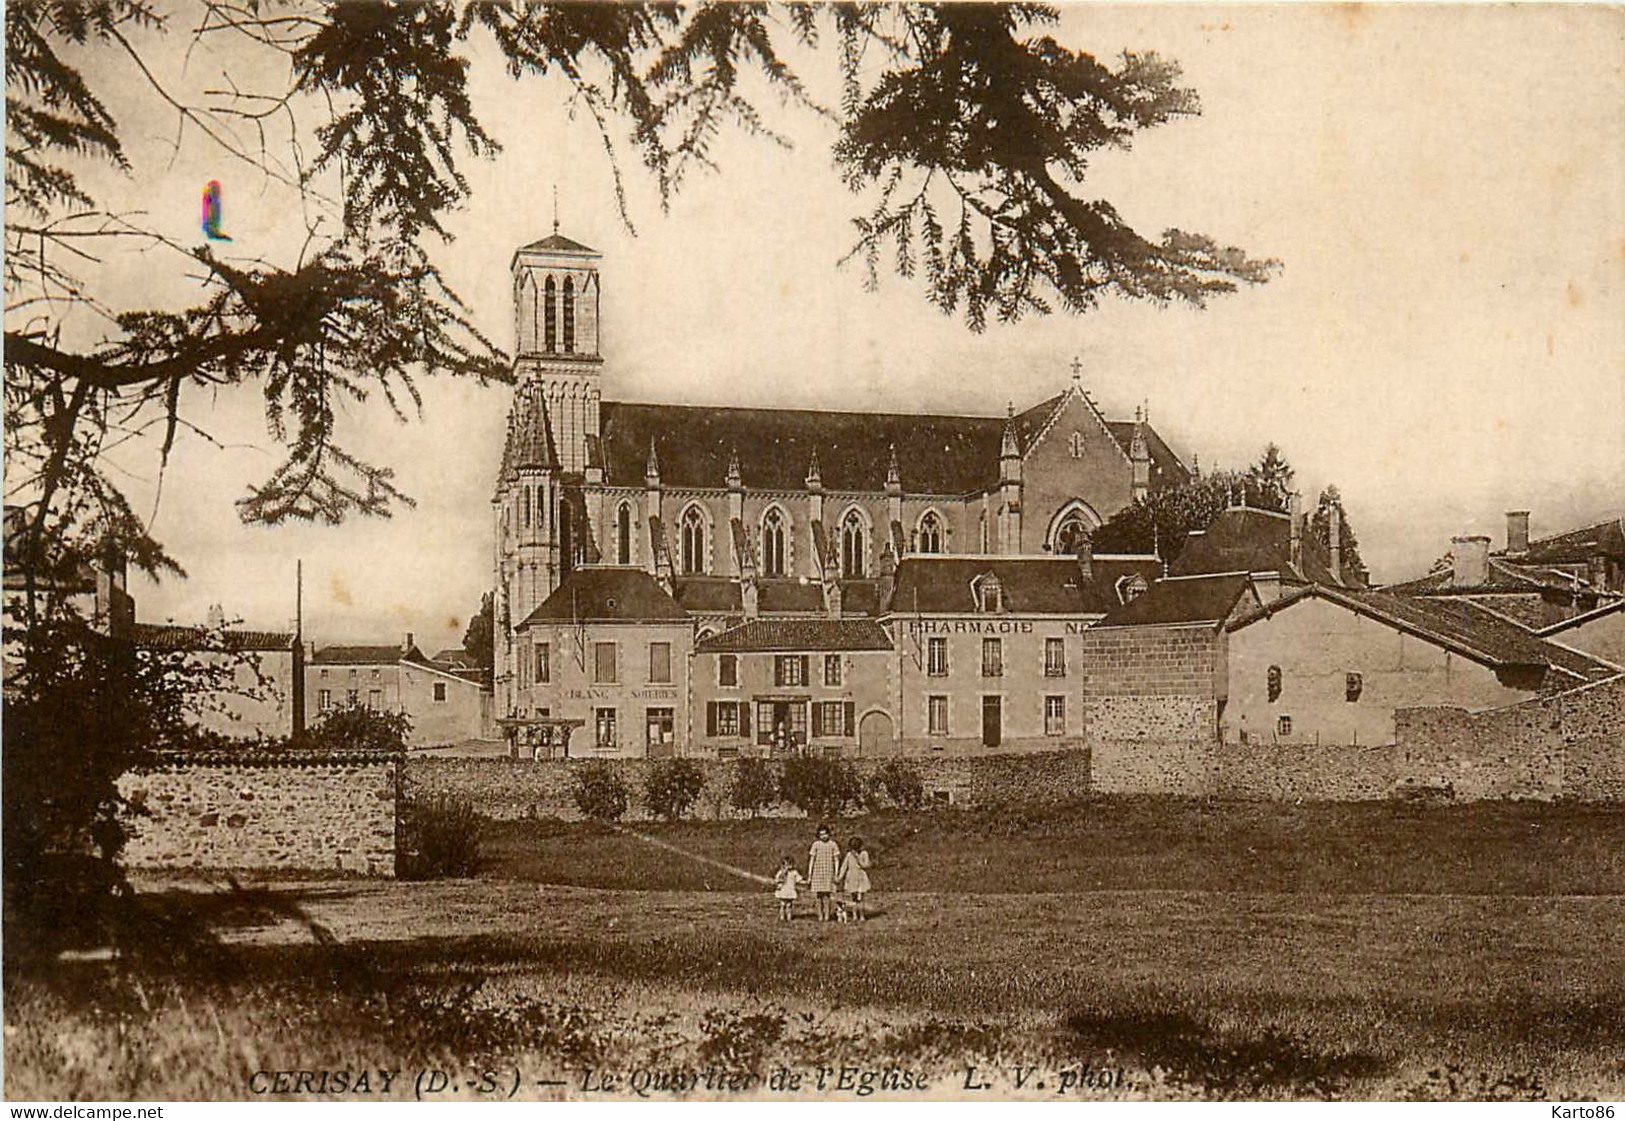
(744, 719)
(711, 718)
(818, 719)
(851, 715)
(806, 678)
(778, 672)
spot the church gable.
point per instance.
(1074, 462)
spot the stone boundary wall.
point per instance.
(1306, 772)
(1569, 744)
(506, 790)
(286, 813)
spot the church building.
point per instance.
(740, 514)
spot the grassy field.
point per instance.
(1478, 981)
(1516, 848)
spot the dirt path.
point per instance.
(731, 869)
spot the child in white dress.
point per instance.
(855, 876)
(786, 879)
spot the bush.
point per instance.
(600, 791)
(754, 788)
(900, 783)
(672, 786)
(821, 787)
(357, 728)
(439, 839)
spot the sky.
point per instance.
(1445, 341)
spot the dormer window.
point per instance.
(989, 593)
(1131, 588)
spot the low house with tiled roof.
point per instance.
(739, 513)
(442, 705)
(260, 693)
(608, 651)
(1232, 683)
(1599, 632)
(1537, 584)
(1331, 666)
(774, 687)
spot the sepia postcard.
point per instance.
(583, 552)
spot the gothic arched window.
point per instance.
(930, 534)
(569, 316)
(693, 534)
(773, 544)
(1072, 536)
(549, 322)
(852, 545)
(623, 535)
(541, 506)
(524, 504)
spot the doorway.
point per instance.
(874, 734)
(992, 721)
(662, 733)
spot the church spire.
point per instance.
(1008, 447)
(814, 479)
(735, 478)
(894, 475)
(651, 467)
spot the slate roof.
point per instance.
(1501, 575)
(352, 655)
(1455, 624)
(940, 585)
(1242, 539)
(557, 243)
(454, 656)
(797, 635)
(607, 595)
(1585, 617)
(708, 595)
(937, 454)
(175, 636)
(1578, 546)
(1189, 599)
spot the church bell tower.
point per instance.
(556, 300)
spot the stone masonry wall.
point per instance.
(507, 790)
(1569, 744)
(288, 813)
(1291, 772)
(1151, 708)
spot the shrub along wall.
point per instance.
(291, 813)
(507, 790)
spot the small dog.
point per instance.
(842, 914)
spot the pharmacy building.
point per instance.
(718, 581)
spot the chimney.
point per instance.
(407, 648)
(216, 617)
(1334, 530)
(1517, 531)
(1294, 510)
(1470, 560)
